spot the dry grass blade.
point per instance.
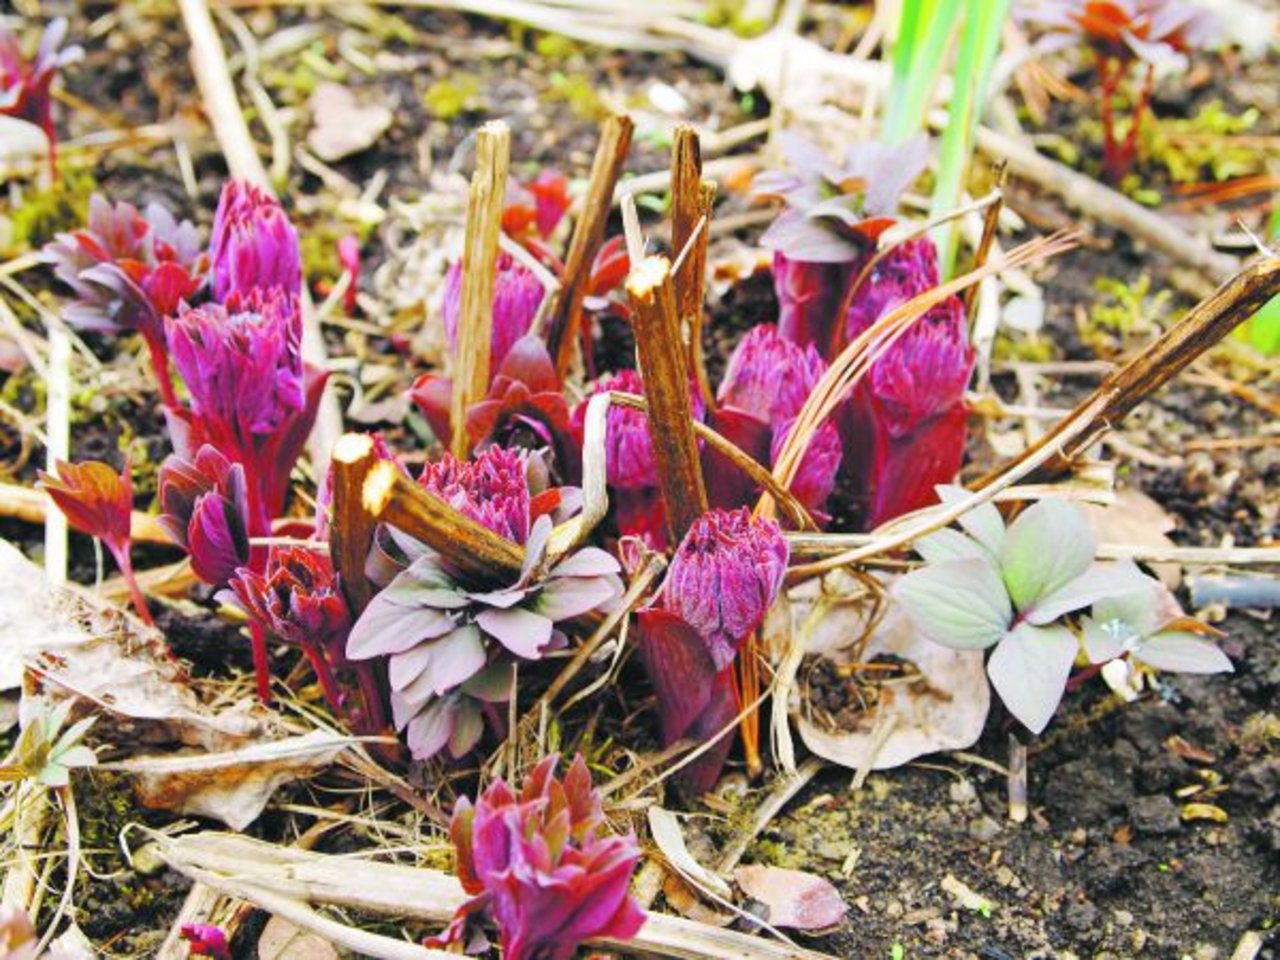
(248, 869)
(479, 260)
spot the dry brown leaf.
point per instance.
(234, 786)
(1136, 520)
(79, 645)
(281, 940)
(944, 708)
(342, 124)
(796, 899)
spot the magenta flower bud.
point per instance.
(492, 489)
(769, 376)
(204, 507)
(517, 294)
(544, 867)
(724, 576)
(816, 478)
(242, 364)
(253, 246)
(809, 296)
(629, 463)
(907, 270)
(298, 599)
(908, 418)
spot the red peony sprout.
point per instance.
(252, 397)
(907, 418)
(491, 489)
(26, 87)
(130, 271)
(253, 246)
(1121, 34)
(99, 502)
(543, 867)
(206, 940)
(299, 600)
(204, 507)
(517, 294)
(349, 257)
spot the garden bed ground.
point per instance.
(1105, 866)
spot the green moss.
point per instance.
(732, 15)
(577, 91)
(44, 213)
(1200, 147)
(1127, 308)
(448, 99)
(1023, 349)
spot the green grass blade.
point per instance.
(925, 30)
(979, 44)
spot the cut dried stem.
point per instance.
(1122, 390)
(588, 234)
(473, 549)
(479, 261)
(691, 203)
(662, 358)
(352, 526)
(256, 871)
(790, 507)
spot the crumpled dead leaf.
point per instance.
(796, 899)
(342, 124)
(943, 708)
(79, 645)
(234, 786)
(1137, 520)
(664, 827)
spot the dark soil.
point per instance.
(1106, 866)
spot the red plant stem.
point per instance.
(160, 363)
(125, 563)
(324, 675)
(1139, 112)
(261, 664)
(374, 717)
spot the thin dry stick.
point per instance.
(479, 260)
(474, 549)
(1122, 390)
(691, 203)
(352, 526)
(1094, 199)
(662, 360)
(588, 234)
(990, 223)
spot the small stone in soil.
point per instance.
(1156, 815)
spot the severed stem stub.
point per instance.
(474, 550)
(479, 261)
(588, 233)
(352, 527)
(662, 358)
(691, 201)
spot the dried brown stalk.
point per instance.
(990, 222)
(1123, 389)
(352, 527)
(790, 507)
(475, 550)
(588, 234)
(661, 355)
(256, 871)
(691, 203)
(479, 260)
